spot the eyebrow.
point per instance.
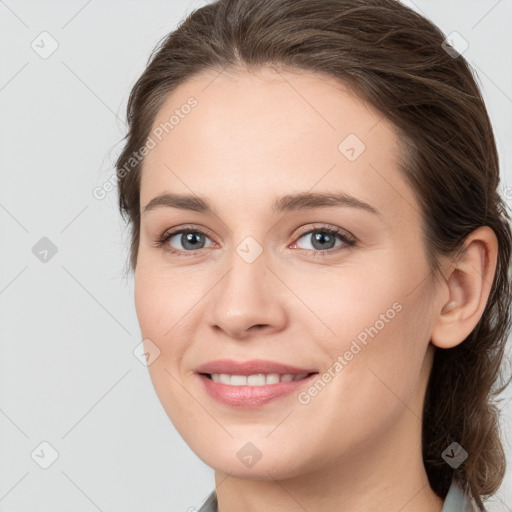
(286, 203)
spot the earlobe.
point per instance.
(467, 284)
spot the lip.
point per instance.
(251, 367)
(250, 397)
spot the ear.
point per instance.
(465, 288)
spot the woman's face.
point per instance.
(262, 276)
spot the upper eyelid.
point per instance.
(326, 227)
(341, 232)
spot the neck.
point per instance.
(384, 472)
(387, 471)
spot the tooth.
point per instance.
(238, 380)
(272, 378)
(259, 379)
(256, 380)
(224, 378)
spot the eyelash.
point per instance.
(348, 239)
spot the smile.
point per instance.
(252, 391)
(259, 379)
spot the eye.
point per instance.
(324, 239)
(184, 241)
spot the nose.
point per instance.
(249, 300)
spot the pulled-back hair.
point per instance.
(398, 62)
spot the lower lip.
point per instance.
(251, 396)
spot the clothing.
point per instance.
(455, 501)
(210, 505)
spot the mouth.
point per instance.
(257, 379)
(252, 391)
(252, 383)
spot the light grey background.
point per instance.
(68, 328)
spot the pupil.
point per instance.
(190, 238)
(322, 238)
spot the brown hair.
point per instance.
(394, 59)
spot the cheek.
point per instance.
(347, 302)
(166, 304)
(146, 295)
(159, 310)
(379, 323)
(160, 301)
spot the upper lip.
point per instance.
(251, 367)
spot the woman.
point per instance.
(321, 256)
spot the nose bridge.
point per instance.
(246, 295)
(246, 278)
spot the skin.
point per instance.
(254, 136)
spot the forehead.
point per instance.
(265, 131)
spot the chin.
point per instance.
(246, 462)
